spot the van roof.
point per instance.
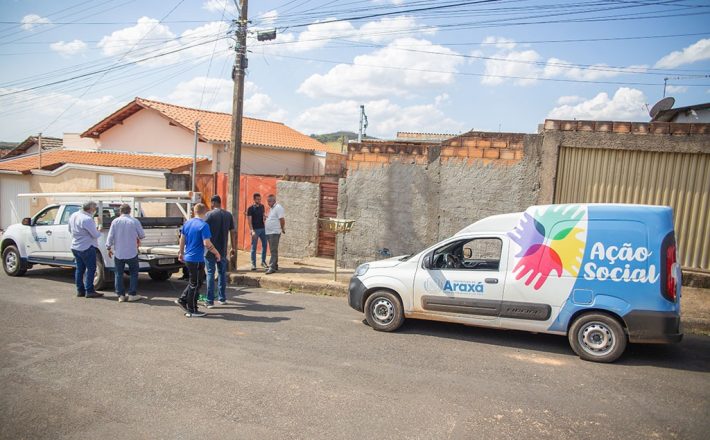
(507, 222)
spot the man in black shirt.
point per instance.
(255, 220)
(222, 227)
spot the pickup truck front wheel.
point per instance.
(101, 278)
(12, 262)
(384, 311)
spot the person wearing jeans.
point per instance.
(255, 220)
(221, 224)
(275, 226)
(84, 236)
(194, 240)
(122, 243)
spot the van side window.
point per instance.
(476, 254)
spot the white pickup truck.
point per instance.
(44, 239)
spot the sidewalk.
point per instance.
(315, 276)
(309, 275)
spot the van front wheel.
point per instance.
(597, 337)
(384, 311)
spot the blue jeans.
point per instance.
(85, 270)
(259, 234)
(133, 267)
(221, 268)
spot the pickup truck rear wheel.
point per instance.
(159, 275)
(597, 337)
(384, 311)
(12, 262)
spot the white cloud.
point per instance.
(385, 118)
(30, 21)
(676, 89)
(33, 110)
(319, 35)
(269, 17)
(626, 104)
(149, 37)
(217, 96)
(499, 42)
(69, 48)
(566, 100)
(525, 67)
(220, 5)
(698, 51)
(557, 68)
(379, 73)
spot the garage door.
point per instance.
(12, 208)
(679, 180)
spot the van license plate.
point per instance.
(166, 261)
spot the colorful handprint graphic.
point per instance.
(549, 243)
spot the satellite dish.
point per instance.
(662, 105)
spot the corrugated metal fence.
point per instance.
(679, 180)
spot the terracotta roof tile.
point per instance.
(216, 126)
(55, 158)
(48, 143)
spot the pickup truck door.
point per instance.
(40, 243)
(464, 280)
(62, 249)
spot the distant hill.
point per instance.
(8, 145)
(335, 136)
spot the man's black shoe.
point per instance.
(94, 295)
(80, 294)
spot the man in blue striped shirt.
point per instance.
(122, 244)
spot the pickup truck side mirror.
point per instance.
(426, 263)
(27, 221)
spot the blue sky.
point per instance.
(480, 65)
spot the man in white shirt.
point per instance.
(84, 244)
(275, 226)
(122, 244)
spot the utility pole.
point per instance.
(240, 65)
(39, 148)
(363, 124)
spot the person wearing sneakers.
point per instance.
(194, 240)
(255, 220)
(122, 243)
(275, 226)
(221, 225)
(84, 244)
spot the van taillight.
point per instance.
(669, 285)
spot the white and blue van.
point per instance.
(602, 274)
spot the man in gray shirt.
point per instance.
(122, 244)
(84, 244)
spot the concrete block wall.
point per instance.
(300, 201)
(405, 197)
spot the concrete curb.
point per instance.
(331, 288)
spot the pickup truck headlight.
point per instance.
(361, 269)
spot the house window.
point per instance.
(105, 181)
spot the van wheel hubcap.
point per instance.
(383, 311)
(11, 261)
(596, 339)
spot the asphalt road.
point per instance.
(282, 366)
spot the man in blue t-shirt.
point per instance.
(194, 240)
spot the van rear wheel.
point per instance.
(384, 311)
(597, 337)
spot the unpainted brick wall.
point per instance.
(300, 201)
(405, 205)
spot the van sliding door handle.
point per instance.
(491, 280)
(49, 232)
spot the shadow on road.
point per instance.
(692, 354)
